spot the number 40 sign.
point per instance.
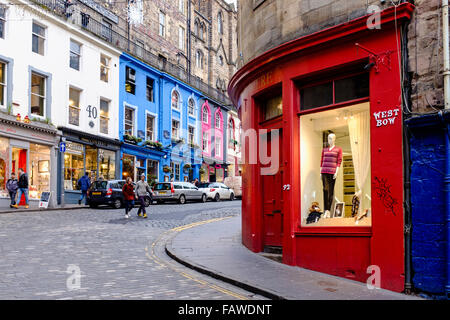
(92, 112)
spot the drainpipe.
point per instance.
(446, 47)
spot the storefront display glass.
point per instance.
(347, 197)
(127, 166)
(152, 171)
(4, 161)
(107, 164)
(39, 176)
(92, 161)
(220, 172)
(73, 165)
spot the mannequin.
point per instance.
(329, 167)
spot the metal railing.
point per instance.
(105, 32)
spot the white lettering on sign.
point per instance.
(384, 118)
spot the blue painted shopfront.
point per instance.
(156, 108)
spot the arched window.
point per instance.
(197, 28)
(205, 115)
(218, 120)
(220, 22)
(191, 107)
(175, 100)
(199, 59)
(202, 31)
(221, 60)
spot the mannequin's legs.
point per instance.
(328, 191)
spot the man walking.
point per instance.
(84, 183)
(12, 186)
(142, 188)
(128, 196)
(23, 188)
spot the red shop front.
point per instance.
(335, 94)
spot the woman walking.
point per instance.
(142, 188)
(128, 196)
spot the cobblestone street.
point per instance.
(118, 258)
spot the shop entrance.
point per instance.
(19, 160)
(272, 196)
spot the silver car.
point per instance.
(178, 191)
(217, 191)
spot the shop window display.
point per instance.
(335, 167)
(127, 166)
(92, 161)
(4, 170)
(107, 164)
(73, 165)
(39, 171)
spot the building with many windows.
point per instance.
(61, 77)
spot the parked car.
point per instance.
(177, 191)
(234, 183)
(110, 193)
(217, 191)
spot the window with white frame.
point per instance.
(162, 24)
(176, 170)
(175, 100)
(218, 120)
(218, 147)
(150, 128)
(191, 107)
(181, 5)
(75, 55)
(38, 38)
(2, 21)
(104, 68)
(3, 84)
(191, 135)
(129, 121)
(38, 98)
(205, 115)
(104, 116)
(74, 106)
(205, 142)
(175, 129)
(181, 38)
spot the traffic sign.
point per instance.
(62, 147)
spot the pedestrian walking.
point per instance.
(196, 182)
(142, 188)
(23, 188)
(12, 185)
(128, 196)
(84, 183)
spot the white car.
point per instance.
(217, 191)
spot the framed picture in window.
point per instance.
(43, 166)
(339, 210)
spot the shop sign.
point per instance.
(385, 118)
(74, 148)
(45, 198)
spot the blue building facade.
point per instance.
(159, 124)
(428, 138)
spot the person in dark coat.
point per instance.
(84, 183)
(12, 185)
(23, 188)
(128, 196)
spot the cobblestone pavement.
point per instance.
(117, 258)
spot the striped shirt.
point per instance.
(331, 159)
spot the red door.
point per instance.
(272, 197)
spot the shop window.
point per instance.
(92, 161)
(38, 95)
(38, 38)
(152, 171)
(107, 164)
(4, 163)
(129, 121)
(75, 55)
(176, 170)
(74, 106)
(104, 68)
(220, 173)
(344, 199)
(130, 80)
(335, 91)
(2, 84)
(150, 86)
(73, 165)
(39, 176)
(150, 128)
(127, 166)
(104, 116)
